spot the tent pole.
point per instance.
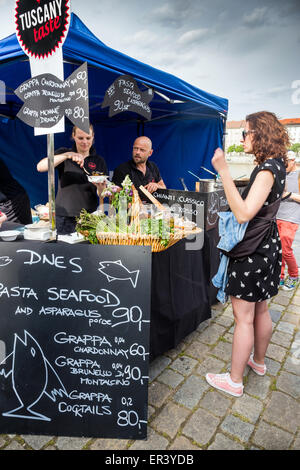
(51, 185)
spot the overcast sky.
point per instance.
(247, 52)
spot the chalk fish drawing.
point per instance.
(32, 377)
(116, 271)
(5, 260)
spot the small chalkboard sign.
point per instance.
(47, 99)
(125, 95)
(74, 340)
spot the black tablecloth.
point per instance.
(182, 293)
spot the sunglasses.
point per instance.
(245, 133)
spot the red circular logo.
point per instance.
(42, 25)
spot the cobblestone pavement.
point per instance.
(185, 413)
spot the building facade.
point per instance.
(234, 131)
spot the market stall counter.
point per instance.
(181, 291)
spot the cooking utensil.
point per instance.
(208, 171)
(183, 184)
(152, 198)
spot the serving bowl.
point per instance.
(9, 235)
(97, 179)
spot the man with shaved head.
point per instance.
(140, 170)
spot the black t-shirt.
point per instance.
(75, 192)
(137, 177)
(9, 187)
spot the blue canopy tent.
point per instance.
(187, 123)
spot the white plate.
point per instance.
(9, 235)
(97, 179)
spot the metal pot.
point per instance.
(209, 185)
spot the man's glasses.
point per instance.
(245, 133)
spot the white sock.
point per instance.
(234, 384)
(255, 363)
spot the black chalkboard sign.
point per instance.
(74, 339)
(201, 208)
(125, 95)
(47, 99)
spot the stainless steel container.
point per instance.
(209, 185)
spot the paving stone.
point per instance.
(275, 315)
(14, 445)
(222, 442)
(224, 320)
(257, 386)
(276, 352)
(296, 444)
(157, 394)
(296, 300)
(184, 365)
(282, 338)
(201, 426)
(277, 307)
(173, 353)
(271, 438)
(281, 300)
(248, 407)
(292, 363)
(286, 327)
(182, 443)
(289, 383)
(157, 366)
(273, 367)
(71, 443)
(170, 419)
(197, 350)
(37, 442)
(210, 364)
(191, 391)
(292, 317)
(237, 427)
(215, 403)
(109, 444)
(222, 350)
(212, 334)
(171, 378)
(154, 442)
(283, 411)
(3, 441)
(293, 309)
(151, 411)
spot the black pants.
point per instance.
(65, 225)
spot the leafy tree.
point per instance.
(295, 148)
(239, 148)
(231, 148)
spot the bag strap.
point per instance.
(299, 181)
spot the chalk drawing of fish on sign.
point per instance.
(116, 271)
(32, 377)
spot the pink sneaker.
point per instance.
(221, 382)
(259, 369)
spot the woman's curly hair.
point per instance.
(270, 138)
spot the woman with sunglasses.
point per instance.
(254, 263)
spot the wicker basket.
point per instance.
(137, 239)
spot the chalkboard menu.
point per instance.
(124, 95)
(201, 208)
(47, 99)
(74, 339)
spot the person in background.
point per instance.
(140, 170)
(14, 200)
(3, 218)
(75, 192)
(288, 219)
(255, 262)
